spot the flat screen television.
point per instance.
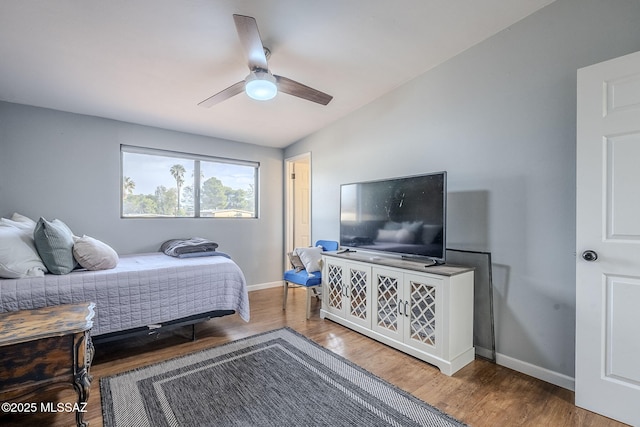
(400, 216)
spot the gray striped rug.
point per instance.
(278, 378)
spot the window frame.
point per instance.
(197, 184)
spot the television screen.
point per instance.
(403, 216)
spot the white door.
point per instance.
(608, 225)
(297, 202)
(301, 204)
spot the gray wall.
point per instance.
(500, 118)
(67, 166)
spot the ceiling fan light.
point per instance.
(261, 85)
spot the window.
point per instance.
(157, 183)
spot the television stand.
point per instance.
(423, 310)
(425, 263)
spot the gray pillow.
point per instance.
(296, 262)
(54, 242)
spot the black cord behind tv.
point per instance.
(399, 216)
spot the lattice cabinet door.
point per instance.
(389, 302)
(423, 329)
(334, 286)
(358, 300)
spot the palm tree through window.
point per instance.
(167, 184)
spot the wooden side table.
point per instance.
(45, 349)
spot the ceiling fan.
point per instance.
(260, 84)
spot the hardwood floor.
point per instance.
(481, 394)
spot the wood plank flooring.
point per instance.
(481, 394)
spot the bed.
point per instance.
(142, 292)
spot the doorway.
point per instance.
(297, 202)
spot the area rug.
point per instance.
(278, 378)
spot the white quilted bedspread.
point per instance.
(144, 289)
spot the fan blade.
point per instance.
(252, 44)
(224, 95)
(301, 91)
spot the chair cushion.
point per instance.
(303, 278)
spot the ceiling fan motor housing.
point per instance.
(261, 85)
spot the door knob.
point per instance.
(589, 255)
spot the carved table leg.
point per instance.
(82, 384)
(82, 378)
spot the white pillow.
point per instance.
(20, 221)
(18, 255)
(311, 258)
(93, 254)
(396, 236)
(385, 235)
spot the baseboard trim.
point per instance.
(561, 380)
(484, 352)
(266, 285)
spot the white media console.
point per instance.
(424, 311)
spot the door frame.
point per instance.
(289, 167)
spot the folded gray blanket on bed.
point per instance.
(187, 247)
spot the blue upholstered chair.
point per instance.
(310, 280)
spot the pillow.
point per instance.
(412, 226)
(18, 255)
(405, 236)
(20, 221)
(392, 225)
(386, 235)
(310, 257)
(93, 254)
(430, 232)
(296, 262)
(54, 242)
(396, 236)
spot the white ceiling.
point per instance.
(151, 61)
